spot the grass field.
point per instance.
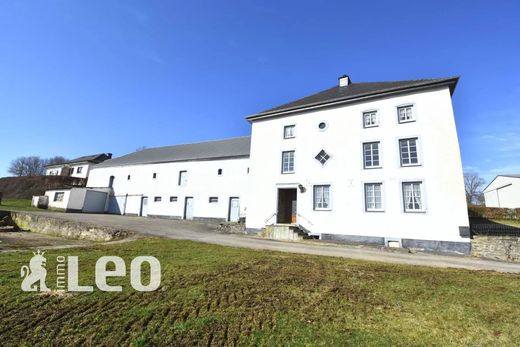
(21, 205)
(510, 222)
(213, 295)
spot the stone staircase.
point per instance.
(286, 232)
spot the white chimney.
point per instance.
(344, 81)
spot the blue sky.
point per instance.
(80, 77)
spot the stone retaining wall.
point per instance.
(65, 228)
(496, 247)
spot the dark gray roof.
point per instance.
(221, 149)
(93, 158)
(356, 91)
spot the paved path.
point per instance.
(201, 232)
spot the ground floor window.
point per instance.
(213, 200)
(373, 197)
(157, 199)
(58, 196)
(322, 197)
(412, 195)
(173, 199)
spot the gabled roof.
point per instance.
(355, 92)
(506, 175)
(222, 149)
(93, 158)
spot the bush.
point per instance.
(480, 211)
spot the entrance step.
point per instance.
(286, 232)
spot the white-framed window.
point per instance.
(288, 162)
(322, 197)
(408, 151)
(58, 196)
(413, 197)
(370, 119)
(157, 199)
(79, 169)
(289, 131)
(371, 155)
(373, 197)
(183, 178)
(173, 199)
(405, 113)
(213, 199)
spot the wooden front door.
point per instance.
(287, 206)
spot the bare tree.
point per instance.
(473, 184)
(27, 166)
(56, 160)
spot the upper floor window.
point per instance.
(322, 157)
(412, 196)
(157, 199)
(58, 196)
(371, 155)
(288, 131)
(322, 197)
(173, 199)
(373, 197)
(322, 126)
(79, 169)
(183, 178)
(370, 119)
(405, 113)
(288, 162)
(408, 151)
(213, 199)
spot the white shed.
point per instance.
(503, 191)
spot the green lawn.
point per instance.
(510, 222)
(21, 205)
(213, 295)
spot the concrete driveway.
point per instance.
(205, 232)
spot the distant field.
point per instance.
(214, 295)
(21, 205)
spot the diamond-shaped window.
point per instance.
(322, 157)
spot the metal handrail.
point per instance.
(270, 217)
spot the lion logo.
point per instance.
(34, 273)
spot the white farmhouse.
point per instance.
(374, 162)
(363, 162)
(503, 191)
(79, 167)
(205, 181)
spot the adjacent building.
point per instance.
(203, 181)
(79, 167)
(503, 192)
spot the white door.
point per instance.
(144, 206)
(234, 209)
(188, 208)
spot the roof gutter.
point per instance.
(449, 82)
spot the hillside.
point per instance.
(26, 187)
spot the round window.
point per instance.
(322, 126)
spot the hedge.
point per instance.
(481, 211)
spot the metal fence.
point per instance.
(481, 226)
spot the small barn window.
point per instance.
(173, 199)
(128, 177)
(58, 196)
(213, 199)
(80, 168)
(157, 199)
(219, 172)
(154, 175)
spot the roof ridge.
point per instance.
(195, 143)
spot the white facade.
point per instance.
(503, 192)
(439, 170)
(137, 192)
(78, 199)
(80, 170)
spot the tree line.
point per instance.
(33, 165)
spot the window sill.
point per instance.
(371, 210)
(322, 209)
(410, 165)
(288, 138)
(370, 126)
(406, 121)
(372, 167)
(288, 173)
(414, 211)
